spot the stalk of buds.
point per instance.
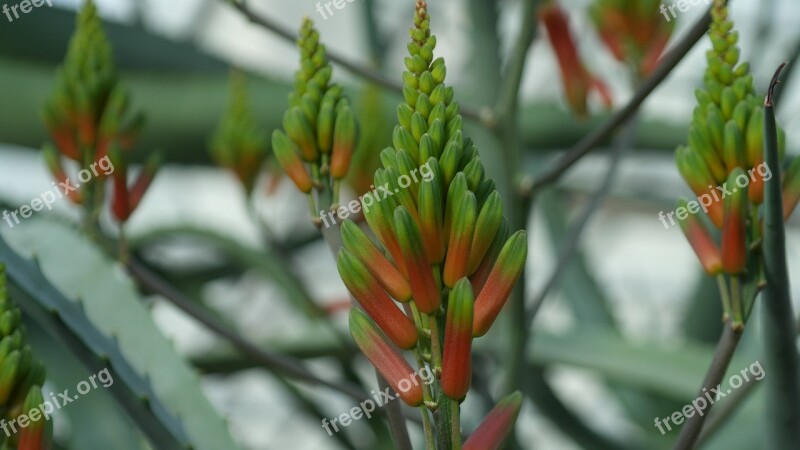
(21, 378)
(442, 251)
(577, 80)
(88, 119)
(633, 30)
(724, 166)
(239, 144)
(319, 129)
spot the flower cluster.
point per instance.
(87, 118)
(726, 145)
(444, 251)
(319, 128)
(239, 144)
(633, 31)
(577, 80)
(21, 379)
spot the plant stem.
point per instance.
(436, 345)
(719, 364)
(726, 299)
(736, 302)
(430, 443)
(455, 425)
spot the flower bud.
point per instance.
(494, 429)
(386, 359)
(287, 155)
(390, 278)
(299, 130)
(734, 229)
(420, 274)
(701, 241)
(508, 267)
(456, 362)
(371, 296)
(486, 227)
(456, 265)
(344, 142)
(431, 220)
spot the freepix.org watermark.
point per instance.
(326, 6)
(25, 6)
(58, 401)
(376, 195)
(715, 194)
(64, 188)
(682, 6)
(703, 402)
(367, 407)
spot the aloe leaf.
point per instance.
(782, 426)
(111, 321)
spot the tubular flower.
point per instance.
(319, 124)
(21, 377)
(127, 197)
(577, 80)
(633, 31)
(442, 245)
(239, 144)
(88, 118)
(700, 239)
(389, 362)
(457, 365)
(369, 294)
(491, 433)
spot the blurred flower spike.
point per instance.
(320, 132)
(89, 121)
(634, 31)
(239, 143)
(578, 82)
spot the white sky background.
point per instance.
(614, 242)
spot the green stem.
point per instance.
(436, 345)
(430, 443)
(736, 302)
(455, 425)
(726, 298)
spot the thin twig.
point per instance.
(588, 143)
(572, 238)
(719, 365)
(279, 363)
(483, 116)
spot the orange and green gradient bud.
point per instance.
(501, 280)
(386, 359)
(456, 263)
(702, 242)
(420, 273)
(695, 172)
(457, 358)
(377, 304)
(33, 436)
(497, 425)
(486, 226)
(431, 220)
(734, 229)
(344, 142)
(362, 247)
(287, 155)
